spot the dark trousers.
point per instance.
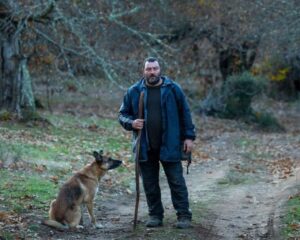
(174, 172)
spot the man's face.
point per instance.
(152, 72)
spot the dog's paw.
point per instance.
(97, 225)
(79, 227)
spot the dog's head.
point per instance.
(106, 163)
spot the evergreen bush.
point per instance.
(233, 100)
(238, 92)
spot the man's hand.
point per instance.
(188, 145)
(138, 124)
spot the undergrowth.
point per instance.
(291, 220)
(35, 161)
(21, 191)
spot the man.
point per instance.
(166, 127)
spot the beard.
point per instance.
(152, 80)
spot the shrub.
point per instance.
(233, 100)
(267, 122)
(238, 91)
(283, 75)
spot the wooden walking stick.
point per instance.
(137, 169)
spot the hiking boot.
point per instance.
(154, 221)
(183, 223)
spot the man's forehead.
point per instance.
(151, 64)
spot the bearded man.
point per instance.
(166, 127)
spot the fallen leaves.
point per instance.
(3, 216)
(93, 127)
(9, 218)
(40, 168)
(244, 169)
(282, 168)
(294, 226)
(294, 196)
(54, 179)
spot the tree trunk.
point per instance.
(16, 94)
(232, 61)
(237, 59)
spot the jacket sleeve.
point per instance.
(126, 113)
(188, 128)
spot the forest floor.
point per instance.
(239, 184)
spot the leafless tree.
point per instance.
(112, 38)
(80, 35)
(15, 85)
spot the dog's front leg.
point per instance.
(90, 207)
(81, 219)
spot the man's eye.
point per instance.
(149, 69)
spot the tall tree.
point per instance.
(15, 83)
(80, 36)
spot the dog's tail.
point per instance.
(55, 224)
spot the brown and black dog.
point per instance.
(65, 210)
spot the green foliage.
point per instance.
(10, 151)
(29, 115)
(267, 122)
(283, 73)
(5, 115)
(25, 155)
(233, 100)
(234, 177)
(292, 218)
(23, 191)
(238, 91)
(34, 155)
(6, 236)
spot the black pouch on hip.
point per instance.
(184, 156)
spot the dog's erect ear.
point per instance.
(98, 156)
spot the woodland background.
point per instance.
(65, 66)
(50, 47)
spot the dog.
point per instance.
(65, 211)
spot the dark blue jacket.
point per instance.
(176, 126)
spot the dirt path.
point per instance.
(237, 184)
(242, 211)
(238, 181)
(244, 182)
(251, 176)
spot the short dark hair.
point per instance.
(150, 59)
